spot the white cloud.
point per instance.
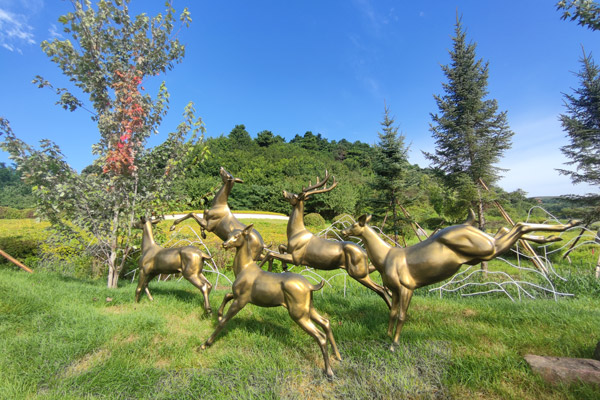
(54, 32)
(14, 31)
(534, 157)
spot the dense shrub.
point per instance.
(14, 213)
(314, 220)
(26, 250)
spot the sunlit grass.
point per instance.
(69, 338)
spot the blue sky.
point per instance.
(326, 67)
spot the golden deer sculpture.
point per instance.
(220, 220)
(253, 285)
(439, 257)
(156, 260)
(303, 248)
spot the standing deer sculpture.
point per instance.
(439, 257)
(304, 248)
(253, 285)
(156, 260)
(220, 220)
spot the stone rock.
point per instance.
(564, 369)
(597, 352)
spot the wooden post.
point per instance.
(535, 258)
(14, 261)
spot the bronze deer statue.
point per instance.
(156, 260)
(303, 248)
(220, 220)
(439, 257)
(253, 285)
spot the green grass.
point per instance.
(61, 338)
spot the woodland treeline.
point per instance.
(268, 164)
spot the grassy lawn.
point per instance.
(61, 338)
(69, 338)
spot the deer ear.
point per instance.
(248, 229)
(362, 220)
(368, 219)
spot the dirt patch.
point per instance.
(121, 309)
(86, 362)
(469, 313)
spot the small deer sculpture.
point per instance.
(220, 220)
(156, 260)
(267, 289)
(439, 257)
(303, 248)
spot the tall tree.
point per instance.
(390, 167)
(581, 122)
(470, 134)
(108, 55)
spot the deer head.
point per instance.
(238, 237)
(357, 228)
(318, 187)
(140, 224)
(227, 177)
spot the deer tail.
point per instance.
(314, 288)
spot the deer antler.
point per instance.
(314, 189)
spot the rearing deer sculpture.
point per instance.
(220, 220)
(440, 256)
(267, 289)
(156, 260)
(304, 248)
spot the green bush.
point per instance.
(13, 213)
(25, 250)
(314, 220)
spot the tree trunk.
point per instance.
(484, 264)
(113, 271)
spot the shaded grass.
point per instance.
(61, 338)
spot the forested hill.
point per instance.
(268, 165)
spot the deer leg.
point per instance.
(324, 323)
(310, 328)
(142, 284)
(228, 297)
(393, 313)
(366, 280)
(504, 242)
(236, 306)
(405, 297)
(204, 285)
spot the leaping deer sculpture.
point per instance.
(440, 256)
(156, 260)
(303, 248)
(268, 289)
(220, 220)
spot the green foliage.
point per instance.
(107, 55)
(15, 213)
(585, 12)
(314, 220)
(470, 134)
(13, 191)
(267, 170)
(390, 167)
(582, 125)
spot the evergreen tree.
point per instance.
(585, 12)
(390, 167)
(470, 134)
(582, 124)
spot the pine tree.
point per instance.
(390, 167)
(582, 125)
(470, 134)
